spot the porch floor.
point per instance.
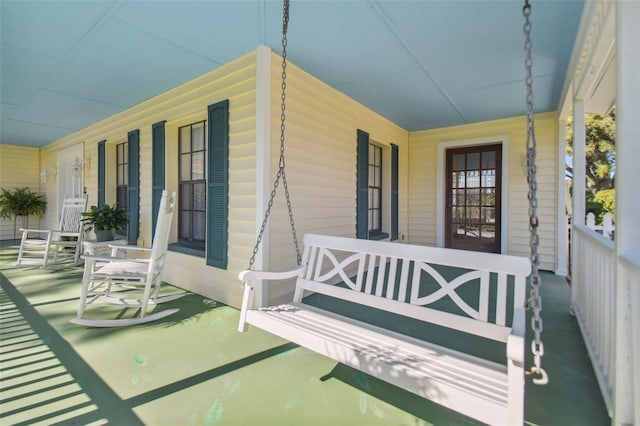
(194, 368)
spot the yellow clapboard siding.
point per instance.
(423, 164)
(322, 126)
(181, 106)
(21, 168)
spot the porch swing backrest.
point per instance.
(480, 294)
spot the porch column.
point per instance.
(263, 164)
(561, 219)
(579, 176)
(627, 233)
(579, 163)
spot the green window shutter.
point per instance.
(362, 198)
(101, 172)
(218, 184)
(157, 171)
(394, 192)
(133, 201)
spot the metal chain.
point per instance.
(534, 302)
(281, 165)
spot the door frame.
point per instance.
(441, 183)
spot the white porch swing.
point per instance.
(407, 280)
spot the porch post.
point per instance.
(263, 163)
(561, 219)
(579, 177)
(627, 233)
(579, 163)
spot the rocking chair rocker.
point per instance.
(129, 282)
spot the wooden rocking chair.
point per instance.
(129, 282)
(37, 246)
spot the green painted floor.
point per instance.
(194, 368)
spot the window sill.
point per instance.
(377, 236)
(192, 251)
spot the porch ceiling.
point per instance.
(422, 64)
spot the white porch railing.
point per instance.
(593, 266)
(629, 270)
(593, 285)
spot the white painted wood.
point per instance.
(627, 301)
(562, 234)
(593, 273)
(128, 282)
(62, 243)
(263, 160)
(476, 387)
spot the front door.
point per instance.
(473, 182)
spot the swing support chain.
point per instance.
(534, 302)
(281, 165)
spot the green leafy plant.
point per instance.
(105, 218)
(21, 203)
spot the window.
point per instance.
(122, 177)
(375, 189)
(192, 185)
(122, 174)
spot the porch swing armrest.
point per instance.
(248, 275)
(516, 339)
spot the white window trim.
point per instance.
(504, 188)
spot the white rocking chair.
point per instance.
(129, 282)
(62, 243)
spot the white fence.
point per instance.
(597, 273)
(606, 229)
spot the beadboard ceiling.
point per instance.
(422, 64)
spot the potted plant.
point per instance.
(105, 220)
(21, 202)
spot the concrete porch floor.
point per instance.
(194, 368)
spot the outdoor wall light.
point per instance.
(46, 173)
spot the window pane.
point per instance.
(489, 160)
(197, 166)
(473, 161)
(185, 225)
(199, 226)
(473, 197)
(185, 167)
(473, 179)
(473, 215)
(489, 197)
(186, 197)
(197, 137)
(488, 232)
(121, 196)
(199, 196)
(185, 139)
(488, 178)
(488, 215)
(376, 219)
(458, 162)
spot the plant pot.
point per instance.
(105, 234)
